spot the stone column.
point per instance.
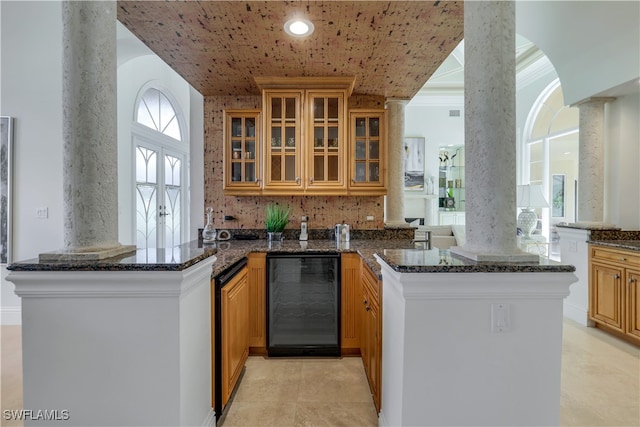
(591, 160)
(490, 132)
(90, 132)
(394, 201)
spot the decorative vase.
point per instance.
(209, 231)
(274, 236)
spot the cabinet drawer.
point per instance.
(370, 283)
(619, 257)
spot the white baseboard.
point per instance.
(577, 314)
(381, 420)
(10, 315)
(210, 421)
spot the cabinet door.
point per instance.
(235, 331)
(256, 264)
(606, 296)
(242, 154)
(367, 141)
(372, 333)
(633, 303)
(326, 141)
(283, 147)
(350, 306)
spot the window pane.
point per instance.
(374, 127)
(360, 172)
(333, 109)
(361, 149)
(318, 108)
(318, 168)
(360, 126)
(374, 172)
(332, 173)
(172, 217)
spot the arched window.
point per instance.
(551, 158)
(155, 111)
(160, 172)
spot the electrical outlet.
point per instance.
(370, 217)
(500, 318)
(42, 213)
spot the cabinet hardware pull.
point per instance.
(368, 308)
(310, 180)
(364, 302)
(630, 280)
(353, 181)
(617, 276)
(297, 180)
(623, 259)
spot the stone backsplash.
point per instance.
(323, 211)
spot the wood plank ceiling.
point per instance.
(391, 47)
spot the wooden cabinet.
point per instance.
(283, 141)
(257, 276)
(350, 304)
(614, 292)
(234, 303)
(371, 335)
(242, 152)
(307, 133)
(368, 149)
(305, 141)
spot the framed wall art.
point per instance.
(6, 141)
(414, 163)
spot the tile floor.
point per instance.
(600, 386)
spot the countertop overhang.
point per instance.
(401, 255)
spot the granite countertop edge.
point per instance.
(228, 253)
(632, 245)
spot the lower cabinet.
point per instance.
(235, 331)
(371, 336)
(257, 271)
(614, 292)
(350, 304)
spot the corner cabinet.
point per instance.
(368, 154)
(242, 152)
(614, 291)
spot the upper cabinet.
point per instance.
(283, 142)
(368, 162)
(242, 152)
(310, 143)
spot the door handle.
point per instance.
(163, 214)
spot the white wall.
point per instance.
(622, 183)
(600, 50)
(31, 81)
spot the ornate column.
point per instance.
(394, 201)
(90, 132)
(591, 161)
(490, 132)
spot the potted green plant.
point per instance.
(277, 217)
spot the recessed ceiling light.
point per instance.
(298, 27)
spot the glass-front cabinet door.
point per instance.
(242, 152)
(283, 144)
(368, 151)
(326, 160)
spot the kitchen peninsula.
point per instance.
(128, 340)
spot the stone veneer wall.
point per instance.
(323, 211)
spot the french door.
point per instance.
(159, 194)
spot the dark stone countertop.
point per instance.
(156, 259)
(400, 254)
(443, 261)
(631, 245)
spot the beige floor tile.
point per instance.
(600, 386)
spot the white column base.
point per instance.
(471, 348)
(118, 348)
